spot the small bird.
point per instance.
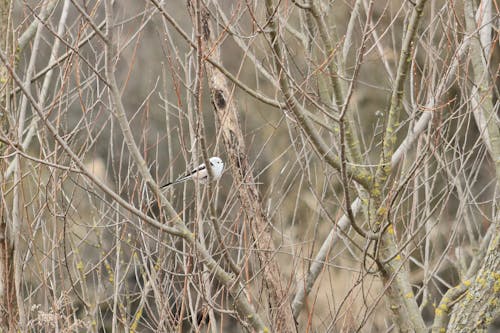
(201, 173)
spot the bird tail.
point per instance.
(167, 185)
(180, 180)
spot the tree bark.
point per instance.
(278, 293)
(480, 306)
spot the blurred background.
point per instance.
(85, 263)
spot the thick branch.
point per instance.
(244, 308)
(344, 222)
(359, 175)
(337, 85)
(481, 96)
(479, 306)
(395, 108)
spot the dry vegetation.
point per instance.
(362, 161)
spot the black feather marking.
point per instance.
(200, 168)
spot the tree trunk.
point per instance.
(8, 304)
(277, 292)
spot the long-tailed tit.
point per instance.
(201, 173)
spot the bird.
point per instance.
(200, 173)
